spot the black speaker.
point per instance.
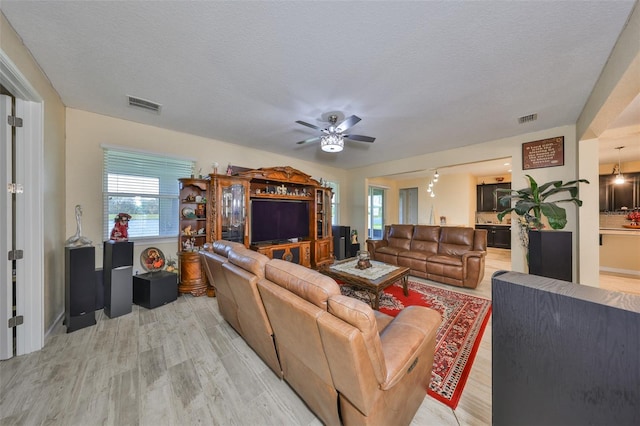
(118, 278)
(117, 254)
(550, 254)
(341, 241)
(80, 287)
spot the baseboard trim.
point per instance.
(54, 325)
(619, 271)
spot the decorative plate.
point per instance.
(188, 213)
(631, 226)
(152, 259)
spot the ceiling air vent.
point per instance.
(144, 104)
(527, 118)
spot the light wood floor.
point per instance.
(182, 364)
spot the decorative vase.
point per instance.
(364, 260)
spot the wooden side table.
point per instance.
(191, 277)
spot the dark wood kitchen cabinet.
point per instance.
(616, 196)
(487, 199)
(497, 236)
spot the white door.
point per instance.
(6, 230)
(22, 216)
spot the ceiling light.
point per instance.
(433, 194)
(332, 143)
(436, 175)
(617, 170)
(505, 164)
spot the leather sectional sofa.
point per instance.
(350, 364)
(450, 255)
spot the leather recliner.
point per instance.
(243, 271)
(294, 298)
(212, 262)
(382, 376)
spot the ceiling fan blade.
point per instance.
(313, 126)
(314, 139)
(360, 138)
(349, 122)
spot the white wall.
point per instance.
(87, 132)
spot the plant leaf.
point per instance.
(556, 215)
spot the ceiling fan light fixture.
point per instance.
(332, 143)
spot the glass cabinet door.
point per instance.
(233, 212)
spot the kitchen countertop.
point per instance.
(619, 231)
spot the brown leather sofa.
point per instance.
(450, 255)
(350, 364)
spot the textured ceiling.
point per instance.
(423, 76)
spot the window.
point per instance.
(335, 202)
(145, 186)
(376, 212)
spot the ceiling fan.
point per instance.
(332, 139)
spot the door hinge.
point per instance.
(16, 254)
(15, 188)
(14, 121)
(16, 321)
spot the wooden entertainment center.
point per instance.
(287, 183)
(219, 208)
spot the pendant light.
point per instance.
(617, 170)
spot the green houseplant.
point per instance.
(532, 204)
(549, 254)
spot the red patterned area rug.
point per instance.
(464, 320)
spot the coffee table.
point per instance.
(374, 280)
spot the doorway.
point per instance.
(376, 206)
(21, 229)
(408, 213)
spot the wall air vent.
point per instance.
(144, 104)
(527, 118)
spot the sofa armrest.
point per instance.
(373, 245)
(409, 339)
(476, 253)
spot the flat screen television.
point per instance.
(276, 221)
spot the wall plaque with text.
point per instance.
(543, 153)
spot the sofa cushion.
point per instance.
(390, 250)
(249, 260)
(361, 316)
(455, 241)
(303, 282)
(222, 247)
(400, 236)
(446, 260)
(416, 255)
(425, 238)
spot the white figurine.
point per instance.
(78, 240)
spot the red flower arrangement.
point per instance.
(634, 217)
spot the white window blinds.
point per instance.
(144, 186)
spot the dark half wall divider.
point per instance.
(563, 353)
(551, 254)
